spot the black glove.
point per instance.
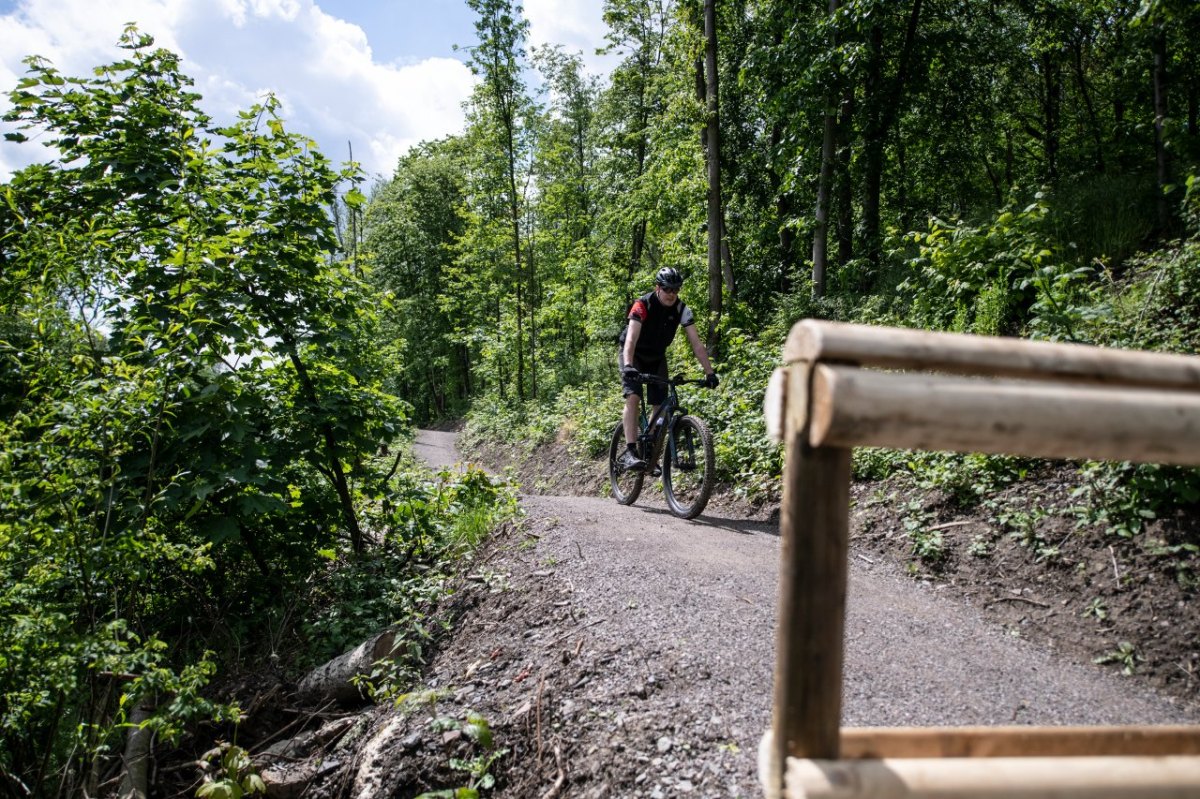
(631, 372)
(710, 380)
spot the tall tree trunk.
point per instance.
(715, 225)
(1086, 94)
(639, 227)
(843, 180)
(501, 374)
(533, 331)
(1051, 112)
(515, 221)
(825, 177)
(1161, 156)
(783, 216)
(873, 144)
(520, 340)
(885, 102)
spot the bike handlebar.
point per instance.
(678, 380)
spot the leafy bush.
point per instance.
(429, 522)
(1002, 278)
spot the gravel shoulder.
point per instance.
(623, 652)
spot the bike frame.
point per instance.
(650, 433)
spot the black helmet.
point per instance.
(669, 278)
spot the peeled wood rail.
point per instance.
(853, 385)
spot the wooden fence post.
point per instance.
(812, 592)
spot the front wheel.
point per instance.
(626, 485)
(688, 467)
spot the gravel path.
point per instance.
(675, 628)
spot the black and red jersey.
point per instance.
(659, 325)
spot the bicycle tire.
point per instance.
(626, 485)
(688, 467)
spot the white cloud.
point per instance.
(578, 25)
(321, 68)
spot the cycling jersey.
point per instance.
(659, 325)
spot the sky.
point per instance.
(377, 76)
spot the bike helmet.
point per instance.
(669, 278)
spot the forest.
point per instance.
(215, 342)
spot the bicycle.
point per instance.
(686, 450)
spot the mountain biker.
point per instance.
(653, 321)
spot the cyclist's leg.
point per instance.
(629, 418)
(632, 391)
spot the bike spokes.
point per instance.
(626, 484)
(688, 467)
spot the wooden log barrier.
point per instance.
(1103, 777)
(859, 407)
(967, 394)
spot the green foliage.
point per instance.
(1125, 655)
(236, 776)
(478, 769)
(928, 544)
(429, 523)
(1122, 497)
(746, 458)
(1096, 609)
(1003, 278)
(188, 395)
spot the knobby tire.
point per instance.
(626, 486)
(688, 467)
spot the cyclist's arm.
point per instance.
(631, 338)
(698, 348)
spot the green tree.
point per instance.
(412, 227)
(191, 393)
(500, 107)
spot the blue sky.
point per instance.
(381, 75)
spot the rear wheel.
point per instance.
(626, 485)
(688, 467)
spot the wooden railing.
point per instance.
(851, 385)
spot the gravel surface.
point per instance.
(619, 651)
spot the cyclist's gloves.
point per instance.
(710, 380)
(631, 372)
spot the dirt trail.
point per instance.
(644, 646)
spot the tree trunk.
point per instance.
(135, 782)
(884, 108)
(333, 681)
(783, 216)
(520, 341)
(336, 472)
(873, 145)
(519, 276)
(1160, 115)
(1086, 94)
(715, 226)
(1051, 113)
(843, 180)
(828, 143)
(533, 331)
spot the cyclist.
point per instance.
(653, 321)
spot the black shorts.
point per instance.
(656, 393)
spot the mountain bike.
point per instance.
(682, 442)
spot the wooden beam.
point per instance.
(812, 595)
(896, 742)
(1176, 777)
(958, 353)
(852, 407)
